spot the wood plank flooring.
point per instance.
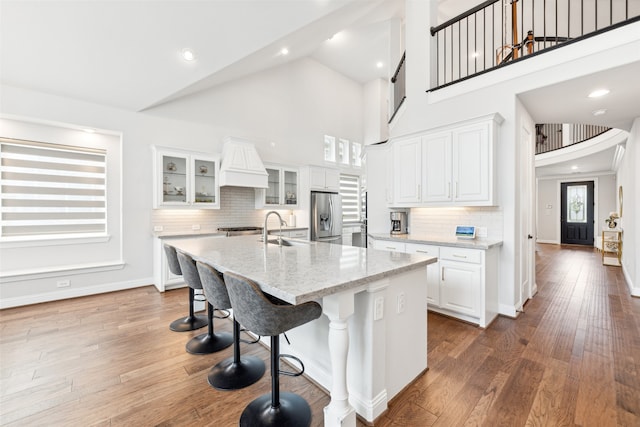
(572, 358)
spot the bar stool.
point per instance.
(266, 315)
(235, 372)
(209, 342)
(192, 321)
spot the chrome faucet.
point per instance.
(265, 232)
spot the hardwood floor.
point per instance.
(573, 358)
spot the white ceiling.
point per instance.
(126, 53)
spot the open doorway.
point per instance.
(576, 213)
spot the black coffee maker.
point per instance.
(398, 222)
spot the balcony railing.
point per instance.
(399, 86)
(553, 136)
(500, 32)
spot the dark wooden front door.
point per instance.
(576, 226)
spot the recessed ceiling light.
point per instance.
(599, 112)
(379, 64)
(574, 167)
(284, 51)
(188, 54)
(598, 93)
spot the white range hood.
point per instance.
(241, 165)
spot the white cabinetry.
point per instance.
(283, 188)
(324, 179)
(433, 270)
(453, 166)
(185, 179)
(462, 284)
(407, 165)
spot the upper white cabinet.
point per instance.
(407, 165)
(324, 179)
(283, 188)
(451, 167)
(185, 180)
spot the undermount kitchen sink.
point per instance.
(289, 242)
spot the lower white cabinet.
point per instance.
(462, 284)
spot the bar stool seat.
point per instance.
(267, 315)
(238, 371)
(192, 321)
(209, 342)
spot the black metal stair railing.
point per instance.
(500, 32)
(550, 137)
(399, 86)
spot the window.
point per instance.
(51, 190)
(350, 192)
(329, 148)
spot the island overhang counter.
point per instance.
(373, 340)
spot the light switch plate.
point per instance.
(378, 309)
(157, 228)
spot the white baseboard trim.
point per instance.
(635, 292)
(65, 270)
(552, 242)
(508, 310)
(73, 293)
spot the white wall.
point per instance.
(292, 106)
(629, 179)
(375, 106)
(548, 193)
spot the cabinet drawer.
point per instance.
(298, 234)
(387, 245)
(416, 248)
(461, 255)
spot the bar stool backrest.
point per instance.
(189, 270)
(262, 314)
(213, 286)
(172, 259)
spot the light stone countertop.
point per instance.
(439, 241)
(303, 272)
(200, 233)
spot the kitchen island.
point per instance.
(373, 340)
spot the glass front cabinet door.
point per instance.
(283, 188)
(185, 180)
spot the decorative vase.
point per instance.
(612, 224)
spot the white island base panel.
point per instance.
(382, 327)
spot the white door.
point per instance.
(527, 207)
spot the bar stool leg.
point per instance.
(236, 372)
(276, 409)
(191, 322)
(211, 341)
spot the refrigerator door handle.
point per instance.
(331, 213)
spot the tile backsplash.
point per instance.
(441, 222)
(237, 208)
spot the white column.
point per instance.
(338, 308)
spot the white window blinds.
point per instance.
(349, 190)
(49, 189)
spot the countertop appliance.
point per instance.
(240, 231)
(398, 222)
(326, 217)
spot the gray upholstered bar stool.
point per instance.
(192, 321)
(235, 372)
(266, 315)
(209, 342)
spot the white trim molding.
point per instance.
(73, 293)
(65, 270)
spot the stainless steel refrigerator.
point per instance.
(326, 217)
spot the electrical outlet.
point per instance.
(378, 309)
(481, 231)
(63, 283)
(195, 227)
(157, 228)
(402, 301)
